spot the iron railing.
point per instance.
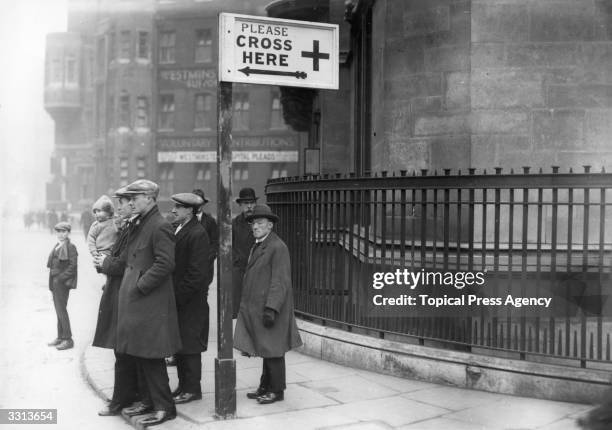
(531, 235)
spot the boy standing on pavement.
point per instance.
(62, 264)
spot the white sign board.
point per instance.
(271, 51)
(237, 156)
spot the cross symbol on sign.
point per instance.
(315, 55)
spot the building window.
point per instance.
(71, 76)
(241, 172)
(276, 112)
(166, 113)
(124, 110)
(203, 46)
(56, 70)
(110, 112)
(279, 173)
(124, 168)
(167, 41)
(241, 111)
(203, 112)
(141, 167)
(125, 42)
(142, 112)
(101, 57)
(202, 173)
(112, 46)
(143, 45)
(166, 179)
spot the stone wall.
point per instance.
(486, 83)
(541, 83)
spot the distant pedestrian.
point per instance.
(266, 324)
(147, 325)
(125, 388)
(191, 290)
(103, 232)
(242, 241)
(62, 264)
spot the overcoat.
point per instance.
(106, 327)
(190, 278)
(267, 284)
(63, 265)
(242, 241)
(210, 225)
(147, 324)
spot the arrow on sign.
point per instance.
(247, 71)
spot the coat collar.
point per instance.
(183, 231)
(258, 251)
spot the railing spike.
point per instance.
(512, 171)
(436, 172)
(414, 173)
(458, 172)
(484, 171)
(603, 169)
(540, 171)
(571, 170)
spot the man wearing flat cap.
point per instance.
(266, 325)
(242, 241)
(62, 264)
(191, 289)
(147, 325)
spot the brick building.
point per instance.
(132, 88)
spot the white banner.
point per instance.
(237, 156)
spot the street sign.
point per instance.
(270, 51)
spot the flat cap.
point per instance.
(142, 186)
(62, 226)
(121, 192)
(188, 199)
(200, 193)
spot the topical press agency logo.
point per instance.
(451, 293)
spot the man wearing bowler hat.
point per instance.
(191, 289)
(266, 325)
(242, 241)
(147, 325)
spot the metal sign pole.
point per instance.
(225, 365)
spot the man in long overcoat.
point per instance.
(125, 389)
(191, 289)
(147, 325)
(242, 241)
(266, 324)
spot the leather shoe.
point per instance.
(257, 393)
(55, 342)
(157, 417)
(187, 397)
(171, 361)
(270, 398)
(110, 410)
(177, 392)
(65, 344)
(137, 409)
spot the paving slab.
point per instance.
(445, 424)
(453, 399)
(350, 388)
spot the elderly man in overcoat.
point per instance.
(266, 324)
(125, 389)
(190, 280)
(147, 324)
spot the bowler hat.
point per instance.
(142, 186)
(246, 194)
(62, 226)
(262, 211)
(188, 199)
(121, 192)
(200, 193)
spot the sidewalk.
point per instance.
(323, 395)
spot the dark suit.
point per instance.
(125, 389)
(267, 284)
(242, 241)
(62, 264)
(191, 289)
(212, 230)
(147, 324)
